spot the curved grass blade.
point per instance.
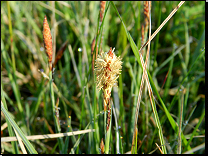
(19, 131)
(11, 132)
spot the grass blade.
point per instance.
(19, 131)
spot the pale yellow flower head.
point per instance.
(107, 69)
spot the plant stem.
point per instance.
(57, 126)
(11, 39)
(180, 124)
(107, 139)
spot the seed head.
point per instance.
(102, 146)
(102, 9)
(47, 39)
(107, 69)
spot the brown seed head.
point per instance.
(102, 9)
(47, 39)
(102, 146)
(146, 9)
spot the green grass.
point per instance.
(175, 71)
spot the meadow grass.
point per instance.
(158, 106)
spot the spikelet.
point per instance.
(47, 39)
(146, 11)
(102, 146)
(102, 9)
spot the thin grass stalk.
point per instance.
(74, 65)
(187, 58)
(20, 143)
(108, 131)
(56, 122)
(82, 113)
(134, 142)
(147, 13)
(137, 110)
(117, 134)
(95, 123)
(142, 81)
(154, 109)
(122, 111)
(132, 110)
(54, 30)
(107, 117)
(187, 51)
(105, 122)
(11, 39)
(159, 148)
(180, 124)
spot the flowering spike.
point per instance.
(102, 9)
(47, 39)
(107, 69)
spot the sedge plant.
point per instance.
(107, 68)
(47, 39)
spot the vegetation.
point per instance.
(158, 106)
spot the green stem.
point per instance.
(57, 126)
(107, 139)
(11, 38)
